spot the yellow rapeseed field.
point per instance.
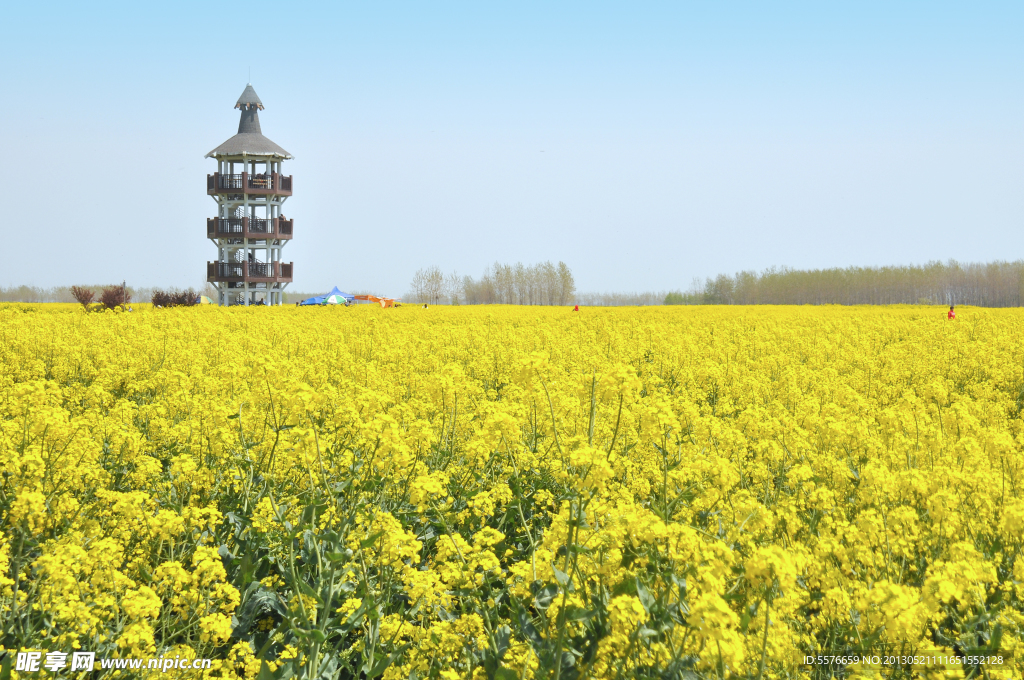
(503, 492)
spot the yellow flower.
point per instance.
(782, 479)
(141, 603)
(215, 628)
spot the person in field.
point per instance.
(952, 314)
(576, 308)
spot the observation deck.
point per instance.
(272, 184)
(246, 227)
(251, 272)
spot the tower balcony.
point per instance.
(272, 184)
(249, 227)
(252, 272)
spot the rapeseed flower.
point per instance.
(499, 492)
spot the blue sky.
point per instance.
(643, 144)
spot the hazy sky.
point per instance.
(642, 143)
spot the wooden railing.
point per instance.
(249, 227)
(261, 184)
(229, 270)
(261, 270)
(249, 271)
(230, 181)
(260, 181)
(231, 225)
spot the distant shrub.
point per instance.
(114, 296)
(675, 298)
(183, 298)
(83, 296)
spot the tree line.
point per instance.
(539, 284)
(992, 284)
(620, 299)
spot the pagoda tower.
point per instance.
(250, 229)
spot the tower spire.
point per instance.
(249, 99)
(250, 105)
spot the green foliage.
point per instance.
(678, 298)
(993, 284)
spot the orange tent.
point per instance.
(382, 301)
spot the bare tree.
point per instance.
(428, 285)
(624, 299)
(566, 284)
(993, 284)
(453, 290)
(504, 282)
(539, 284)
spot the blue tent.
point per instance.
(319, 299)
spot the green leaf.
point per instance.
(306, 590)
(997, 637)
(352, 619)
(544, 596)
(312, 511)
(383, 664)
(745, 622)
(579, 614)
(366, 543)
(265, 672)
(259, 603)
(646, 632)
(505, 674)
(562, 578)
(645, 596)
(629, 555)
(501, 637)
(627, 587)
(527, 628)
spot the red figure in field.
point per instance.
(952, 314)
(576, 308)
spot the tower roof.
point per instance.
(250, 140)
(249, 98)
